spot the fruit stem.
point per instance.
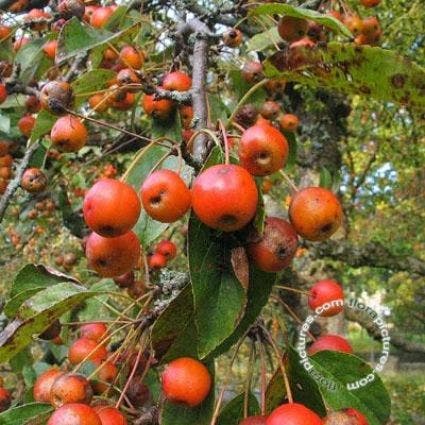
(248, 380)
(288, 288)
(263, 377)
(217, 407)
(289, 181)
(226, 143)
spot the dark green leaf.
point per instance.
(170, 129)
(90, 82)
(292, 155)
(325, 178)
(23, 414)
(299, 12)
(240, 87)
(233, 411)
(28, 59)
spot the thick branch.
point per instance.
(372, 254)
(397, 341)
(15, 182)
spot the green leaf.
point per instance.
(233, 412)
(91, 81)
(174, 333)
(37, 314)
(43, 124)
(299, 12)
(260, 216)
(325, 178)
(28, 59)
(175, 414)
(23, 414)
(361, 70)
(4, 124)
(262, 41)
(240, 87)
(170, 128)
(292, 154)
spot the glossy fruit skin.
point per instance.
(110, 415)
(111, 257)
(187, 381)
(325, 291)
(70, 388)
(100, 16)
(26, 124)
(293, 414)
(160, 109)
(74, 414)
(177, 80)
(55, 96)
(292, 29)
(232, 38)
(43, 385)
(68, 134)
(125, 280)
(111, 208)
(5, 399)
(315, 213)
(331, 343)
(104, 377)
(3, 93)
(276, 248)
(34, 180)
(166, 248)
(254, 420)
(131, 57)
(214, 195)
(289, 122)
(95, 331)
(360, 418)
(263, 150)
(252, 72)
(165, 196)
(157, 261)
(81, 348)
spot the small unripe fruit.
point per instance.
(247, 115)
(292, 29)
(293, 414)
(187, 381)
(70, 388)
(68, 134)
(26, 124)
(56, 96)
(270, 110)
(34, 180)
(213, 197)
(177, 80)
(289, 122)
(111, 208)
(157, 261)
(331, 343)
(138, 393)
(276, 248)
(112, 257)
(232, 38)
(323, 292)
(95, 331)
(74, 414)
(110, 415)
(84, 349)
(69, 259)
(262, 150)
(315, 213)
(50, 48)
(165, 196)
(43, 385)
(167, 249)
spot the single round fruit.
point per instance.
(247, 115)
(292, 29)
(360, 418)
(70, 388)
(112, 257)
(125, 280)
(3, 93)
(315, 213)
(166, 248)
(270, 110)
(157, 261)
(110, 415)
(111, 208)
(26, 124)
(100, 16)
(276, 248)
(165, 196)
(71, 8)
(104, 377)
(34, 180)
(43, 385)
(254, 420)
(84, 349)
(5, 399)
(74, 414)
(370, 3)
(331, 343)
(95, 331)
(262, 150)
(131, 57)
(225, 197)
(252, 72)
(160, 109)
(177, 80)
(289, 122)
(68, 134)
(56, 96)
(50, 48)
(232, 38)
(187, 381)
(138, 393)
(52, 331)
(323, 292)
(293, 414)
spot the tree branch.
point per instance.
(372, 254)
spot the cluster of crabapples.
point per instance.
(6, 163)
